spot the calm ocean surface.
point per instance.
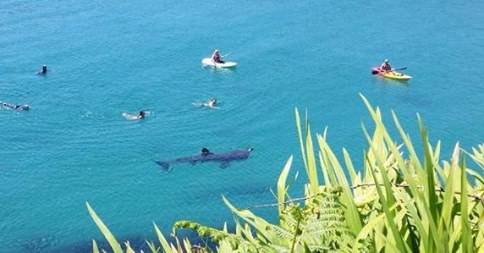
(109, 57)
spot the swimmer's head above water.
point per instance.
(141, 115)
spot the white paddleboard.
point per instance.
(210, 62)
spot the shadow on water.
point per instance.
(37, 245)
(137, 242)
(235, 191)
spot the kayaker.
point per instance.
(386, 66)
(216, 57)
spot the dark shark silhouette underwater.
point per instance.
(206, 156)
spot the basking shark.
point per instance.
(206, 156)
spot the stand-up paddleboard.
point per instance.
(212, 63)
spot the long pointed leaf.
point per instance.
(104, 230)
(281, 185)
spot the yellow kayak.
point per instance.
(392, 74)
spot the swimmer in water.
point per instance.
(205, 152)
(16, 107)
(212, 102)
(141, 115)
(43, 71)
(135, 116)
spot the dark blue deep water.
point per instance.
(109, 57)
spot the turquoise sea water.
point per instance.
(110, 57)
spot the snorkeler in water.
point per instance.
(141, 115)
(212, 102)
(15, 107)
(43, 70)
(135, 116)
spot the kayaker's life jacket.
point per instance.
(386, 67)
(216, 57)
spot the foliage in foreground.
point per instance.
(397, 202)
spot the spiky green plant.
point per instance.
(396, 202)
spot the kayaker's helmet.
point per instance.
(386, 61)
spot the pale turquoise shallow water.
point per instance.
(107, 57)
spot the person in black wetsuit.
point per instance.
(43, 71)
(141, 115)
(206, 152)
(16, 107)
